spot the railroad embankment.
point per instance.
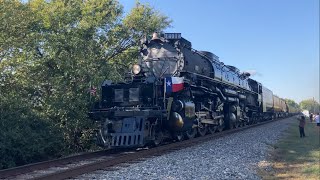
(293, 157)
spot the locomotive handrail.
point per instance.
(160, 59)
(204, 56)
(226, 83)
(127, 108)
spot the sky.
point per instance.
(278, 39)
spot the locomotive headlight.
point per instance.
(136, 69)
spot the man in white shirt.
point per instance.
(317, 119)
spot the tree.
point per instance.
(292, 105)
(82, 43)
(52, 51)
(310, 105)
(24, 136)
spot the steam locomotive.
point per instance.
(177, 92)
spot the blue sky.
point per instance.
(279, 39)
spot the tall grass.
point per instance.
(294, 157)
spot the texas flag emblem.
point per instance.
(173, 84)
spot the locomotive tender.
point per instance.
(178, 92)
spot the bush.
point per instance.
(24, 138)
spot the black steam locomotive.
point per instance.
(178, 92)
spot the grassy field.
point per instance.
(294, 157)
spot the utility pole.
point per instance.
(314, 104)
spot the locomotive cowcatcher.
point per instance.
(177, 92)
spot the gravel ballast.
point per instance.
(236, 156)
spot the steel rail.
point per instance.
(5, 173)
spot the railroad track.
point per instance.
(105, 160)
(16, 172)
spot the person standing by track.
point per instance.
(311, 117)
(302, 123)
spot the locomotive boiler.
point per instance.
(177, 92)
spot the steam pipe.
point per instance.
(220, 94)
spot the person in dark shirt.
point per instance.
(302, 123)
(311, 116)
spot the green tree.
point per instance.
(292, 105)
(24, 136)
(51, 52)
(310, 105)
